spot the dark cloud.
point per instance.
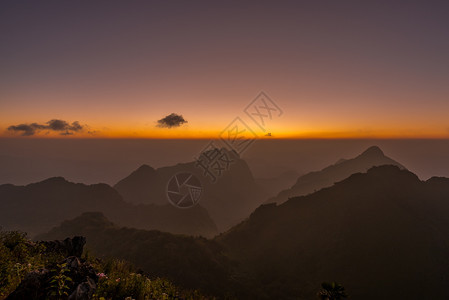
(53, 125)
(172, 120)
(57, 125)
(61, 125)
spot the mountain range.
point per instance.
(383, 234)
(140, 199)
(314, 181)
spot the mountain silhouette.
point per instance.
(343, 168)
(383, 234)
(37, 207)
(229, 200)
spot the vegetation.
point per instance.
(118, 279)
(18, 256)
(59, 283)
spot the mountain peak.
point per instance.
(373, 151)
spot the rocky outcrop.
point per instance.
(68, 247)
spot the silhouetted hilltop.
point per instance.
(229, 200)
(315, 181)
(383, 234)
(37, 207)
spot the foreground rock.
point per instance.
(68, 247)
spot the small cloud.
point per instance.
(53, 125)
(268, 134)
(172, 120)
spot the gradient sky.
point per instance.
(336, 68)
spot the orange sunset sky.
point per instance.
(346, 69)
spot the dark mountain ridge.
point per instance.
(383, 234)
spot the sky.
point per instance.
(113, 69)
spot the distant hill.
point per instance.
(383, 234)
(228, 200)
(37, 207)
(342, 169)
